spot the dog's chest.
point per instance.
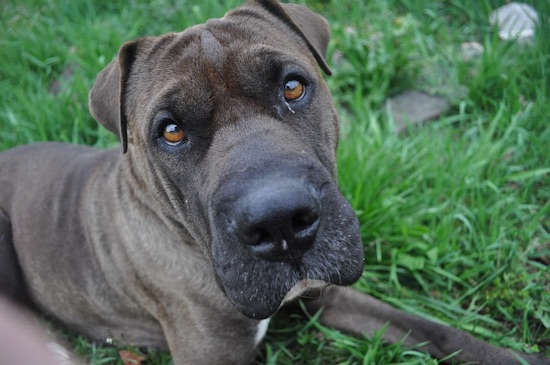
(261, 330)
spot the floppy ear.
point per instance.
(106, 99)
(313, 28)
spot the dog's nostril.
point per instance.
(278, 221)
(303, 221)
(258, 236)
(281, 236)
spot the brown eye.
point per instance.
(173, 135)
(294, 90)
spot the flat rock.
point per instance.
(415, 107)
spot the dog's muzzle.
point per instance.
(271, 233)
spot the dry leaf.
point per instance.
(130, 358)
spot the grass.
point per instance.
(455, 214)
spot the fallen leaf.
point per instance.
(130, 358)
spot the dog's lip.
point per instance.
(302, 287)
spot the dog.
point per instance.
(222, 207)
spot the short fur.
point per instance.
(188, 247)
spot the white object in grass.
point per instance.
(515, 21)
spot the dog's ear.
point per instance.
(311, 26)
(106, 99)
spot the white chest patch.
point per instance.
(262, 329)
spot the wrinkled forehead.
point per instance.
(229, 46)
(219, 56)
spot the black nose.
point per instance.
(279, 220)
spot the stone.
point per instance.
(415, 107)
(515, 21)
(471, 50)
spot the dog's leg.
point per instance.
(358, 314)
(11, 277)
(204, 345)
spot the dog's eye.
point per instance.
(173, 135)
(294, 90)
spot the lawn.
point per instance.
(455, 214)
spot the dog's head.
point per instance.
(234, 127)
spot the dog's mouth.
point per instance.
(260, 292)
(256, 311)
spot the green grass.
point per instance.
(455, 214)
